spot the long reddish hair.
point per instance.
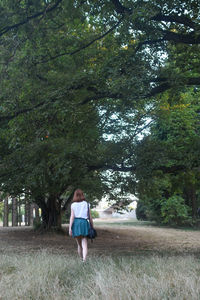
(78, 196)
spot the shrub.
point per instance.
(174, 211)
(66, 217)
(37, 224)
(94, 214)
(141, 211)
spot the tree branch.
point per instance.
(46, 10)
(19, 112)
(120, 8)
(68, 200)
(29, 109)
(170, 36)
(100, 96)
(193, 81)
(164, 86)
(155, 91)
(158, 89)
(176, 19)
(148, 42)
(172, 169)
(190, 38)
(113, 168)
(167, 85)
(84, 46)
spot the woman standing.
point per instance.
(79, 226)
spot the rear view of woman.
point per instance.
(79, 226)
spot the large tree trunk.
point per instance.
(52, 211)
(51, 214)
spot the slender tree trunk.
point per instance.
(37, 217)
(31, 214)
(19, 214)
(194, 202)
(14, 212)
(191, 199)
(27, 213)
(5, 213)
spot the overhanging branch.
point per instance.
(99, 96)
(175, 19)
(190, 38)
(169, 36)
(165, 85)
(84, 46)
(120, 8)
(104, 167)
(29, 18)
(67, 201)
(19, 112)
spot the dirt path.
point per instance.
(111, 239)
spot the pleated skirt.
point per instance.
(80, 227)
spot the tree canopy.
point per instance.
(80, 82)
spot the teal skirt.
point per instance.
(80, 226)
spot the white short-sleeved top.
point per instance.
(80, 209)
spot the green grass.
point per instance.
(126, 223)
(44, 275)
(146, 223)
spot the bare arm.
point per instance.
(71, 222)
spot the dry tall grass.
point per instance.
(44, 275)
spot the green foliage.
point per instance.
(174, 211)
(168, 160)
(37, 224)
(66, 217)
(141, 211)
(76, 85)
(94, 214)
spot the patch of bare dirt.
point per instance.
(110, 240)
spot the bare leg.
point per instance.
(80, 250)
(84, 243)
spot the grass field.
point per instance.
(126, 261)
(44, 275)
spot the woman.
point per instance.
(78, 225)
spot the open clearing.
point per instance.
(128, 260)
(112, 238)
